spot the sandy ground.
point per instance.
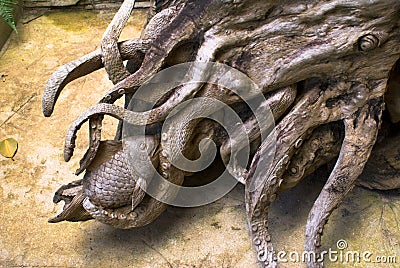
(215, 235)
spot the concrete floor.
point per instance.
(215, 235)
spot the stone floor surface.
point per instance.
(215, 235)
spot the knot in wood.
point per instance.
(368, 42)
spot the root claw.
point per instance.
(131, 49)
(113, 62)
(95, 111)
(360, 135)
(94, 143)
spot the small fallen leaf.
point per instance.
(8, 147)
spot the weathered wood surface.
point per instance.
(337, 57)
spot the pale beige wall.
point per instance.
(84, 4)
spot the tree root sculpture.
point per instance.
(327, 70)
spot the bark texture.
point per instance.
(327, 69)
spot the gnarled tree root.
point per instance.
(323, 67)
(290, 131)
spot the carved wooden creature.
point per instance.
(327, 69)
